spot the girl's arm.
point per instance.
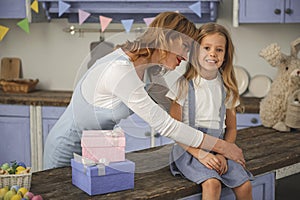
(230, 121)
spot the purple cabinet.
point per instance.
(15, 134)
(131, 9)
(12, 9)
(50, 114)
(269, 11)
(245, 120)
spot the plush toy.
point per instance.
(274, 106)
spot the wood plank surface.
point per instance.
(265, 150)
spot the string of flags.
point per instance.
(84, 15)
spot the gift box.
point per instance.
(102, 179)
(108, 145)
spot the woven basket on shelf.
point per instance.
(293, 110)
(18, 85)
(22, 180)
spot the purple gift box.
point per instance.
(102, 179)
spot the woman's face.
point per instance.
(212, 52)
(177, 53)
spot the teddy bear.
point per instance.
(273, 106)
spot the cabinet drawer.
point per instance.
(247, 119)
(52, 112)
(14, 110)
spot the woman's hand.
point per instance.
(233, 152)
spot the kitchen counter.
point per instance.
(62, 98)
(37, 98)
(266, 150)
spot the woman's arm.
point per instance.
(130, 90)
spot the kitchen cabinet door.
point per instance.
(269, 11)
(50, 114)
(15, 134)
(292, 11)
(12, 9)
(245, 120)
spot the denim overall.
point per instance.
(189, 167)
(64, 138)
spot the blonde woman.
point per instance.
(206, 98)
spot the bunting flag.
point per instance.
(148, 20)
(127, 23)
(3, 31)
(23, 24)
(104, 21)
(196, 8)
(35, 6)
(82, 15)
(62, 7)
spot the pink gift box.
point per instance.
(103, 145)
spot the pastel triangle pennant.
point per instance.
(148, 20)
(127, 23)
(104, 21)
(35, 6)
(82, 15)
(3, 31)
(62, 7)
(196, 8)
(23, 24)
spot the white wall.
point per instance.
(54, 56)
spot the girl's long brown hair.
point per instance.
(226, 70)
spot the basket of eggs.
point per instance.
(15, 173)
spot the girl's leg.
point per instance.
(211, 189)
(244, 191)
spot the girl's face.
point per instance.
(212, 52)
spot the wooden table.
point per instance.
(265, 150)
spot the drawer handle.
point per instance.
(277, 11)
(147, 134)
(254, 120)
(288, 11)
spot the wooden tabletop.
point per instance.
(265, 150)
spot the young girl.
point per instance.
(206, 98)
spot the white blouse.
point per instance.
(208, 98)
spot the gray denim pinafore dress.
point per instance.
(186, 165)
(64, 138)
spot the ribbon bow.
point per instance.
(89, 163)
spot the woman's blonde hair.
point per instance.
(226, 69)
(163, 30)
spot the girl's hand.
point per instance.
(223, 165)
(209, 160)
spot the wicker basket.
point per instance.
(293, 110)
(22, 180)
(18, 85)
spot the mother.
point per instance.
(113, 88)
